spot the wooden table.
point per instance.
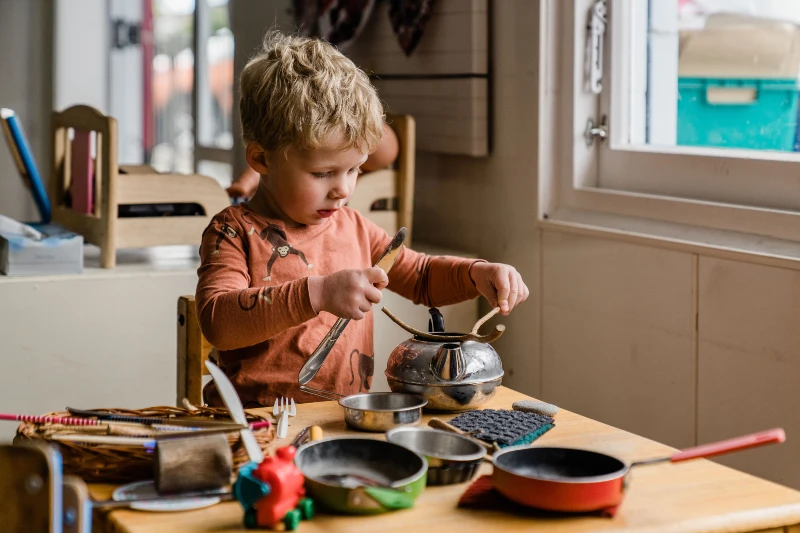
(696, 496)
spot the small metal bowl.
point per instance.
(380, 411)
(451, 457)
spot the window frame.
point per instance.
(719, 189)
(200, 89)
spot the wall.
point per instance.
(488, 205)
(680, 347)
(26, 29)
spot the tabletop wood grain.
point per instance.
(693, 497)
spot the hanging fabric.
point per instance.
(339, 22)
(408, 19)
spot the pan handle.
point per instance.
(769, 436)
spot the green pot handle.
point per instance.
(390, 498)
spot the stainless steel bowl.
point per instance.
(451, 458)
(380, 411)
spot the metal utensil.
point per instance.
(234, 405)
(451, 458)
(283, 424)
(314, 362)
(191, 421)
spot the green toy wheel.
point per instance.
(306, 508)
(250, 519)
(292, 520)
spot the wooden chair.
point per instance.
(193, 350)
(377, 189)
(101, 187)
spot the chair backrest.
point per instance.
(193, 350)
(405, 128)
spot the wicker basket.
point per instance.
(123, 463)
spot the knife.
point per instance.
(313, 364)
(235, 408)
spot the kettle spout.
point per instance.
(449, 363)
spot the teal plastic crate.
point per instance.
(769, 122)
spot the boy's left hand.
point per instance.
(500, 284)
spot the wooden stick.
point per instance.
(491, 337)
(105, 439)
(441, 424)
(483, 320)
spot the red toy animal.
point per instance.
(272, 492)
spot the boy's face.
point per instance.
(309, 186)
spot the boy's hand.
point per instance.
(500, 284)
(351, 293)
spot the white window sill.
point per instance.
(692, 239)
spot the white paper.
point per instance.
(9, 226)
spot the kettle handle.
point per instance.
(491, 337)
(436, 322)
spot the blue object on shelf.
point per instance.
(761, 113)
(23, 157)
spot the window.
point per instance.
(213, 89)
(680, 128)
(188, 85)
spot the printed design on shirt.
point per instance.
(366, 368)
(265, 294)
(224, 231)
(281, 248)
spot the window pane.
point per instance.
(215, 87)
(718, 73)
(222, 172)
(173, 71)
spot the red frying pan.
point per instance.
(574, 480)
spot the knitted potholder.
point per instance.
(502, 426)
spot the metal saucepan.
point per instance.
(575, 480)
(377, 411)
(451, 458)
(361, 475)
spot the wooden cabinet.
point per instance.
(679, 347)
(618, 334)
(749, 362)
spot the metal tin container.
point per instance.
(451, 458)
(381, 411)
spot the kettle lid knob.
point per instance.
(436, 321)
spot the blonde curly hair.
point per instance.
(297, 92)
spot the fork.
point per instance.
(284, 404)
(286, 408)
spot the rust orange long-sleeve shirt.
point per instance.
(254, 306)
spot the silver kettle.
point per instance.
(454, 371)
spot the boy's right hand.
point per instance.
(349, 293)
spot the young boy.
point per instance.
(276, 272)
